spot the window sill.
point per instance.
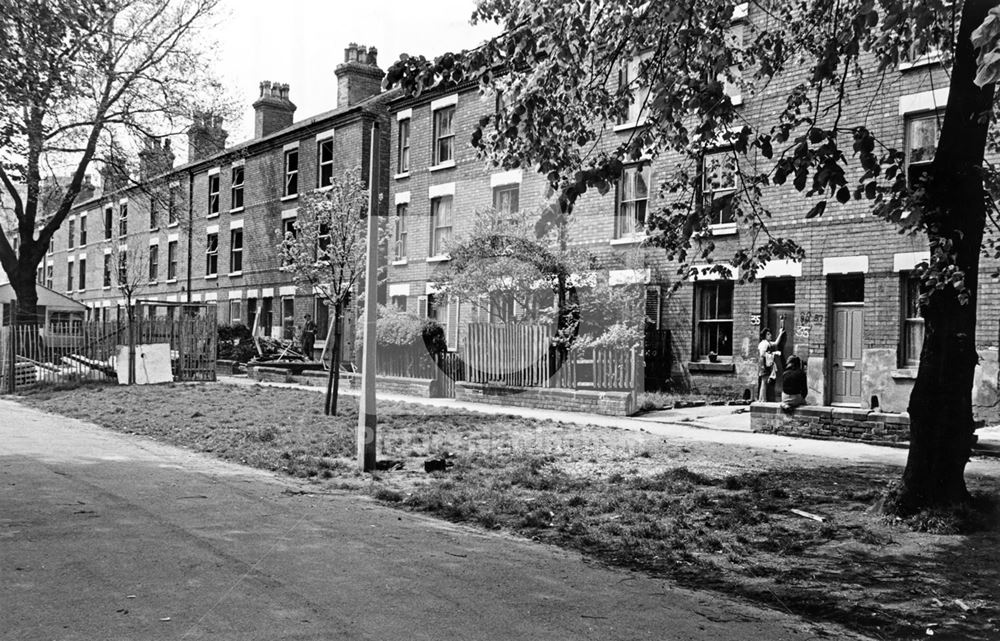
(634, 239)
(711, 368)
(106, 287)
(152, 283)
(290, 197)
(401, 175)
(629, 126)
(154, 229)
(723, 229)
(171, 281)
(448, 164)
(81, 246)
(921, 61)
(323, 189)
(235, 274)
(906, 373)
(80, 291)
(400, 262)
(215, 215)
(440, 258)
(236, 210)
(211, 276)
(172, 225)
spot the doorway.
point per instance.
(778, 296)
(847, 307)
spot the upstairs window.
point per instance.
(123, 220)
(403, 154)
(291, 172)
(83, 230)
(441, 222)
(922, 133)
(71, 235)
(82, 284)
(172, 261)
(122, 267)
(399, 251)
(107, 270)
(154, 211)
(212, 255)
(718, 188)
(236, 191)
(628, 75)
(109, 216)
(444, 135)
(69, 276)
(172, 207)
(154, 263)
(213, 195)
(713, 319)
(631, 196)
(324, 154)
(235, 251)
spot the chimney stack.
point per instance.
(114, 174)
(358, 77)
(155, 159)
(87, 189)
(273, 111)
(206, 137)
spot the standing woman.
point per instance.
(769, 361)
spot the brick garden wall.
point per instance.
(608, 403)
(836, 423)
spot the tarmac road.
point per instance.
(109, 536)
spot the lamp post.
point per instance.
(367, 418)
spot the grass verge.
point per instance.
(706, 515)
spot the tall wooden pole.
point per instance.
(367, 419)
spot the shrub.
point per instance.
(235, 343)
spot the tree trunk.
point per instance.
(25, 289)
(333, 382)
(941, 423)
(131, 342)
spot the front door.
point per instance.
(847, 333)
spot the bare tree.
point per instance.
(130, 273)
(326, 252)
(79, 80)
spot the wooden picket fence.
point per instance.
(595, 368)
(524, 356)
(88, 350)
(515, 355)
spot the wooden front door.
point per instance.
(847, 332)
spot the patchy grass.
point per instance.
(708, 516)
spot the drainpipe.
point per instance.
(190, 230)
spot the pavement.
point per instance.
(713, 424)
(112, 536)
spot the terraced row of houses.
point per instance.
(208, 231)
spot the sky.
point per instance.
(300, 42)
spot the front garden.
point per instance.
(708, 516)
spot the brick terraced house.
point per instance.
(850, 306)
(208, 230)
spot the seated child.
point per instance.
(793, 384)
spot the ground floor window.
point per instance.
(912, 330)
(713, 320)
